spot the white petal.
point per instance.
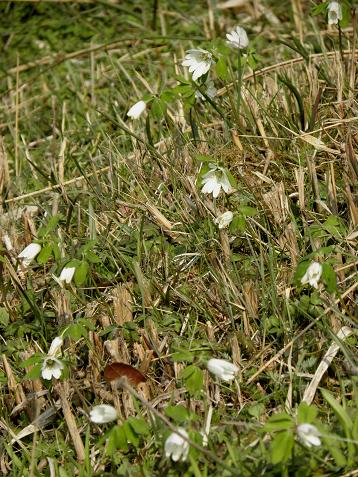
(136, 110)
(29, 253)
(209, 186)
(216, 190)
(46, 373)
(56, 373)
(67, 274)
(55, 346)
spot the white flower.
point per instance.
(308, 435)
(67, 274)
(51, 367)
(55, 346)
(312, 275)
(210, 91)
(238, 38)
(214, 180)
(103, 413)
(29, 253)
(224, 220)
(222, 369)
(176, 447)
(199, 62)
(334, 13)
(136, 110)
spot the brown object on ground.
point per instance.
(115, 371)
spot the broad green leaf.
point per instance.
(248, 211)
(238, 224)
(117, 440)
(306, 413)
(81, 273)
(222, 68)
(194, 378)
(36, 358)
(34, 372)
(131, 435)
(338, 409)
(92, 257)
(4, 317)
(278, 422)
(334, 448)
(281, 447)
(329, 277)
(76, 331)
(183, 355)
(139, 425)
(45, 254)
(178, 413)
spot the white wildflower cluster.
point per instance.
(199, 61)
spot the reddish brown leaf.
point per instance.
(115, 371)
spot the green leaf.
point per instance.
(333, 445)
(281, 447)
(300, 271)
(50, 227)
(335, 226)
(222, 68)
(338, 409)
(76, 331)
(56, 250)
(81, 273)
(45, 254)
(117, 440)
(193, 378)
(139, 425)
(248, 211)
(34, 359)
(231, 178)
(131, 436)
(4, 317)
(34, 372)
(329, 278)
(183, 355)
(158, 108)
(167, 96)
(238, 224)
(346, 15)
(278, 422)
(306, 413)
(317, 9)
(87, 247)
(92, 257)
(178, 413)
